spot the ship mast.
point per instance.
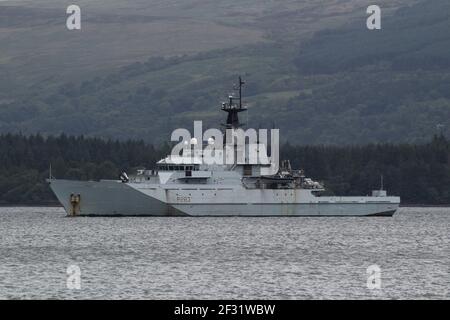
(233, 108)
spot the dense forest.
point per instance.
(420, 174)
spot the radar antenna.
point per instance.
(233, 109)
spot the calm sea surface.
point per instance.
(224, 258)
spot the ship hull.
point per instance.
(113, 198)
(292, 210)
(108, 198)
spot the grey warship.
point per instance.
(193, 188)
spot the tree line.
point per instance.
(420, 174)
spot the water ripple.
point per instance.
(224, 258)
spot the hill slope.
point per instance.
(342, 85)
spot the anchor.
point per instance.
(75, 203)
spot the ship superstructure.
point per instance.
(183, 185)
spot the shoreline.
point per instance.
(28, 205)
(57, 205)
